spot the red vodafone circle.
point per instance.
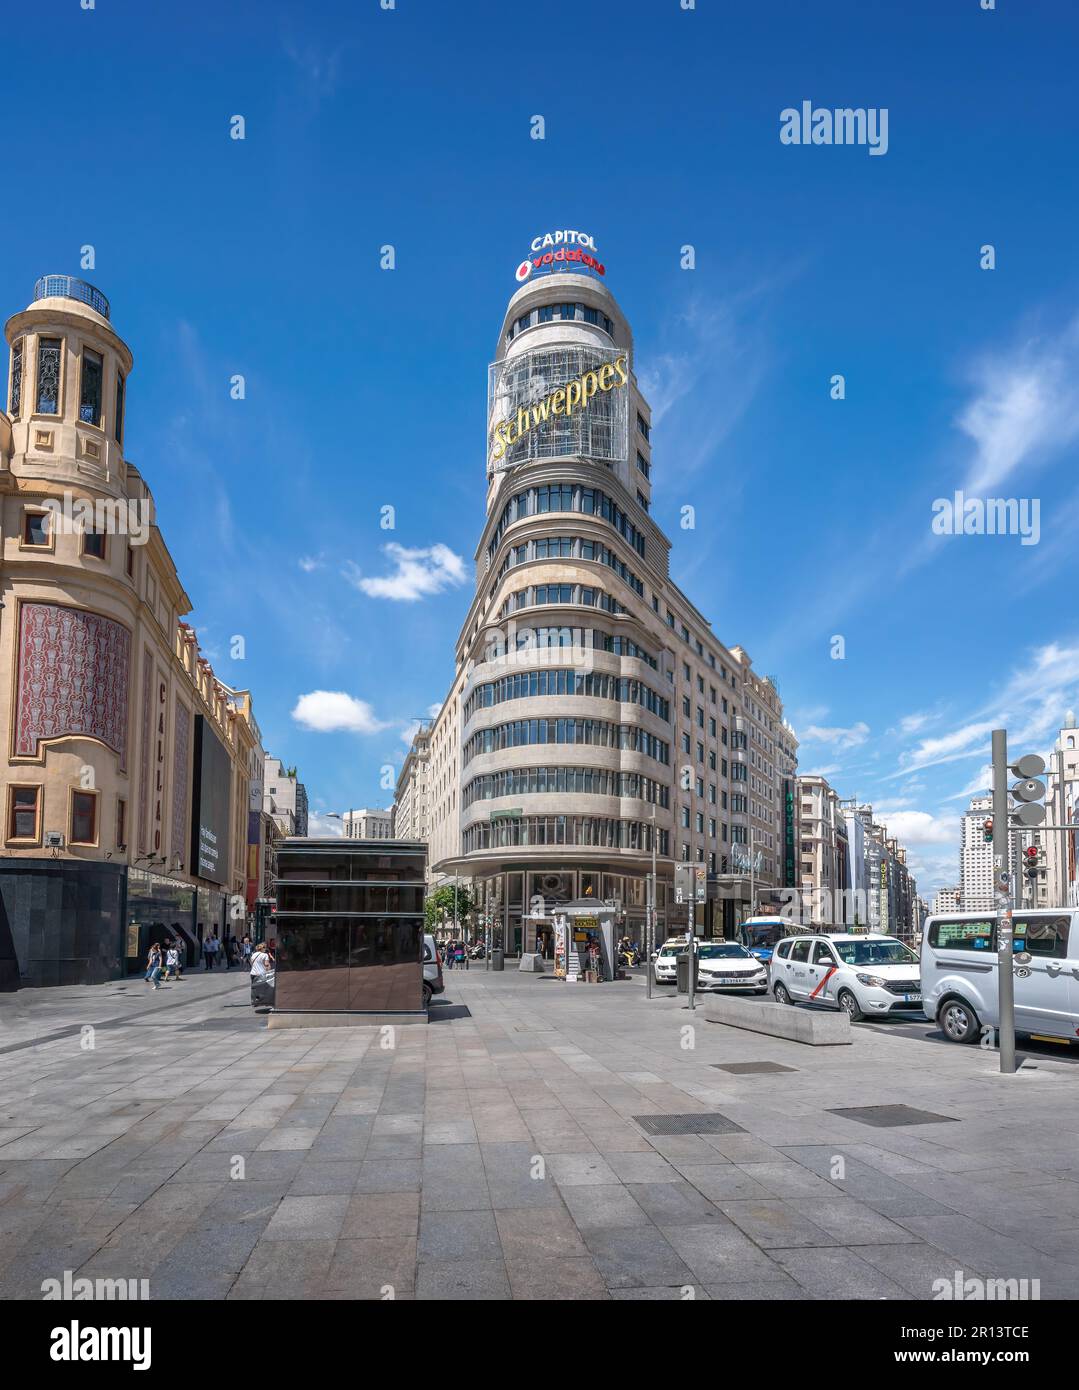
(524, 270)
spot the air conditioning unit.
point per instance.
(54, 839)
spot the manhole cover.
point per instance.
(889, 1116)
(751, 1068)
(704, 1123)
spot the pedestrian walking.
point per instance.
(246, 949)
(449, 955)
(153, 966)
(209, 950)
(459, 955)
(172, 961)
(226, 951)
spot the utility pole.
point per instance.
(1003, 886)
(1030, 792)
(650, 917)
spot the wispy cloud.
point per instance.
(837, 738)
(417, 573)
(1026, 405)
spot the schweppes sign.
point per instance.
(566, 400)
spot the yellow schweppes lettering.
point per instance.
(575, 395)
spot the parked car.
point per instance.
(960, 969)
(865, 974)
(726, 965)
(432, 970)
(665, 960)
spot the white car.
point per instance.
(867, 974)
(666, 960)
(727, 965)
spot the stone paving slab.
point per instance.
(494, 1155)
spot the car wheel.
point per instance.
(428, 993)
(849, 1004)
(958, 1021)
(782, 995)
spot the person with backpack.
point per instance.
(153, 966)
(172, 961)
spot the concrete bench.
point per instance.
(818, 1028)
(532, 963)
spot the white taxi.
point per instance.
(727, 965)
(864, 974)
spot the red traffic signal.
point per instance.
(987, 832)
(1031, 853)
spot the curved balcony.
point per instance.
(69, 287)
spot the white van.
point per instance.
(959, 972)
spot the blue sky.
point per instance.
(366, 388)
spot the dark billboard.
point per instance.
(210, 805)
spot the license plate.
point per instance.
(912, 998)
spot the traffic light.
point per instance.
(1031, 858)
(987, 832)
(1030, 792)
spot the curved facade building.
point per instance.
(593, 713)
(127, 764)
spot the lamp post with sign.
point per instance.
(691, 888)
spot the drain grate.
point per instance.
(703, 1123)
(890, 1116)
(751, 1068)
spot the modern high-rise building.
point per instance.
(594, 718)
(947, 899)
(976, 877)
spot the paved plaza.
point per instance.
(495, 1153)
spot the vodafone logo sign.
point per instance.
(553, 250)
(524, 270)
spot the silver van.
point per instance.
(959, 972)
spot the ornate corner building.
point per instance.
(594, 718)
(126, 765)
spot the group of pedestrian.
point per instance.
(167, 962)
(456, 955)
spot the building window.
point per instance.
(93, 544)
(642, 500)
(90, 388)
(36, 531)
(118, 422)
(523, 322)
(643, 464)
(24, 806)
(121, 823)
(84, 818)
(48, 376)
(15, 392)
(130, 561)
(568, 311)
(641, 425)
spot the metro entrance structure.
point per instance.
(595, 724)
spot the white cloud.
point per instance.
(919, 827)
(839, 738)
(965, 742)
(323, 826)
(913, 723)
(308, 563)
(331, 711)
(418, 572)
(1027, 404)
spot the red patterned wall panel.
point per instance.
(73, 675)
(144, 751)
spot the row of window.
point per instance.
(594, 831)
(564, 313)
(538, 638)
(580, 595)
(569, 548)
(525, 685)
(26, 806)
(566, 497)
(595, 731)
(48, 385)
(37, 535)
(526, 781)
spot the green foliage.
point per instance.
(442, 898)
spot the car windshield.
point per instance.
(671, 950)
(764, 935)
(888, 952)
(730, 951)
